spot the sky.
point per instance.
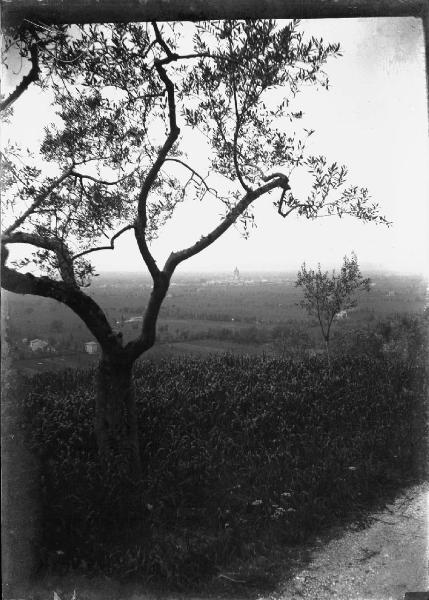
(374, 119)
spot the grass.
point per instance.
(243, 455)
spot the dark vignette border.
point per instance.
(13, 12)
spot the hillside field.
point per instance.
(259, 313)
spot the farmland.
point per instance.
(243, 456)
(258, 313)
(251, 440)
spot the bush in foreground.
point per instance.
(238, 452)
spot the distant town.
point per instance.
(236, 312)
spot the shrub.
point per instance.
(400, 335)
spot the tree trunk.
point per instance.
(116, 419)
(327, 352)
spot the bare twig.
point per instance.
(237, 129)
(101, 181)
(110, 247)
(202, 179)
(39, 200)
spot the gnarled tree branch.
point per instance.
(141, 220)
(61, 251)
(177, 257)
(33, 75)
(81, 304)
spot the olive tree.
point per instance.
(326, 296)
(115, 161)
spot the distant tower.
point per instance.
(236, 275)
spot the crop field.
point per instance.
(260, 313)
(251, 439)
(242, 455)
(42, 364)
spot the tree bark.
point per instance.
(116, 418)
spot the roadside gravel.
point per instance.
(380, 562)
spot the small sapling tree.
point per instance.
(116, 160)
(326, 296)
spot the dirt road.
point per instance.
(380, 562)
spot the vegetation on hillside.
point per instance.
(241, 453)
(328, 297)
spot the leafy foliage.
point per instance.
(250, 59)
(233, 82)
(325, 296)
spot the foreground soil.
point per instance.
(382, 561)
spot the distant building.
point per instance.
(38, 345)
(236, 273)
(91, 347)
(391, 294)
(341, 315)
(134, 319)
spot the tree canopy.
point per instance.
(114, 159)
(327, 295)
